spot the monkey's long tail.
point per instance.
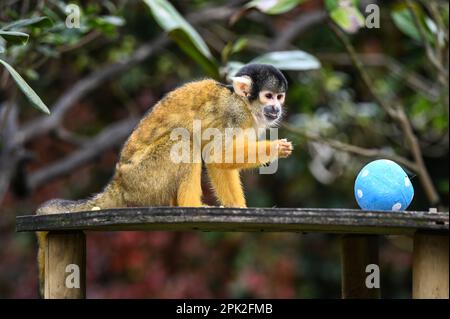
(109, 198)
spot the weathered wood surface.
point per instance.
(358, 251)
(65, 265)
(430, 266)
(246, 219)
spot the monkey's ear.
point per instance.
(242, 85)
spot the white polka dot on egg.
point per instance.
(407, 182)
(397, 206)
(365, 173)
(360, 193)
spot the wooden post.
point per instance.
(357, 252)
(430, 266)
(65, 265)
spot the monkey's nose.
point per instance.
(275, 110)
(272, 111)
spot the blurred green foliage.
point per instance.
(326, 97)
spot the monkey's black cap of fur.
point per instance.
(264, 77)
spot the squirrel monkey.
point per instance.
(146, 175)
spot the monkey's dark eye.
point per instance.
(269, 95)
(279, 96)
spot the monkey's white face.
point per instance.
(267, 107)
(272, 105)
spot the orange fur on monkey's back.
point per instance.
(195, 100)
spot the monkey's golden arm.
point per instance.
(245, 153)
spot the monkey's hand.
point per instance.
(284, 148)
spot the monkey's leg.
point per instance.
(227, 186)
(190, 190)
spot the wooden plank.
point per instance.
(357, 252)
(430, 266)
(65, 265)
(230, 219)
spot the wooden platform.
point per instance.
(245, 220)
(65, 246)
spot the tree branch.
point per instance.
(111, 136)
(83, 41)
(301, 24)
(433, 7)
(432, 56)
(79, 90)
(70, 137)
(362, 71)
(349, 148)
(414, 80)
(9, 155)
(398, 114)
(45, 124)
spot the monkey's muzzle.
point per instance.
(272, 112)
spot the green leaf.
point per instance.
(112, 20)
(349, 18)
(226, 51)
(330, 5)
(434, 30)
(404, 21)
(31, 74)
(183, 34)
(26, 89)
(185, 43)
(232, 48)
(35, 22)
(15, 37)
(239, 45)
(273, 6)
(106, 24)
(295, 60)
(169, 19)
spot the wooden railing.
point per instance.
(359, 232)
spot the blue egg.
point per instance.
(383, 185)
